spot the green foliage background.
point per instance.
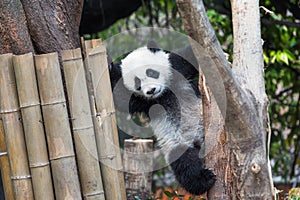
(281, 36)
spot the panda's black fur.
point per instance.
(177, 126)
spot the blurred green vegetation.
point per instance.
(281, 36)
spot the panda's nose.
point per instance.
(151, 91)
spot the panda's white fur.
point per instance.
(175, 111)
(190, 126)
(134, 64)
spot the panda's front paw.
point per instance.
(190, 172)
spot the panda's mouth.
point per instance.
(152, 92)
(157, 93)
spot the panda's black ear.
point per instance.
(152, 46)
(115, 73)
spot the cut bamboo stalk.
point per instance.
(138, 166)
(105, 123)
(57, 127)
(33, 127)
(82, 124)
(93, 43)
(4, 167)
(14, 136)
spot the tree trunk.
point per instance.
(248, 68)
(237, 153)
(13, 28)
(53, 25)
(39, 26)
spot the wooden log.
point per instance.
(138, 166)
(14, 136)
(33, 127)
(105, 121)
(4, 166)
(82, 124)
(57, 127)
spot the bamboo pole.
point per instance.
(4, 167)
(82, 124)
(16, 148)
(138, 166)
(105, 122)
(57, 127)
(33, 127)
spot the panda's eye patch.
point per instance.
(152, 73)
(137, 83)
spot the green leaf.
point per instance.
(266, 58)
(283, 57)
(169, 194)
(289, 54)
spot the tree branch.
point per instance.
(225, 11)
(281, 93)
(198, 27)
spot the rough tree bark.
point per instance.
(238, 152)
(53, 25)
(39, 26)
(14, 31)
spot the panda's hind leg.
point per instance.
(190, 170)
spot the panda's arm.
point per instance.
(184, 61)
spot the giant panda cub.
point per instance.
(164, 86)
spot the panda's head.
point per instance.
(147, 72)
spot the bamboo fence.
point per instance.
(83, 129)
(58, 132)
(56, 121)
(33, 127)
(4, 166)
(13, 130)
(104, 119)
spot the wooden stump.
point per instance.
(138, 166)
